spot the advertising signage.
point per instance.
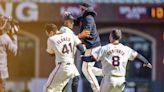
(141, 13)
(128, 13)
(45, 12)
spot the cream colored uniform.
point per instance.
(114, 59)
(88, 69)
(63, 45)
(65, 29)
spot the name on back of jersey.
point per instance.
(63, 39)
(117, 51)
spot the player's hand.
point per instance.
(66, 13)
(147, 65)
(13, 30)
(84, 34)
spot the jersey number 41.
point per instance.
(67, 48)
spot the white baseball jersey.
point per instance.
(63, 45)
(114, 58)
(6, 43)
(65, 29)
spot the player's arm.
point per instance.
(88, 24)
(78, 44)
(50, 50)
(135, 55)
(96, 55)
(144, 60)
(80, 47)
(12, 44)
(88, 59)
(84, 33)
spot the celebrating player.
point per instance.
(114, 57)
(90, 37)
(68, 20)
(63, 46)
(8, 41)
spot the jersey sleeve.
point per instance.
(132, 54)
(99, 53)
(76, 39)
(12, 44)
(63, 30)
(50, 46)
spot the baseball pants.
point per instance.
(112, 84)
(90, 72)
(59, 78)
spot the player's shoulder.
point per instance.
(105, 47)
(127, 47)
(67, 34)
(5, 36)
(52, 38)
(64, 29)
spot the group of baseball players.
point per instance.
(63, 44)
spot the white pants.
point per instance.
(112, 84)
(60, 77)
(90, 72)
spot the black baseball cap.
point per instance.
(69, 17)
(85, 4)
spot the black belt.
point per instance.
(63, 63)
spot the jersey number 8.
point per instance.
(115, 60)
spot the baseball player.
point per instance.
(8, 42)
(68, 18)
(92, 43)
(63, 46)
(114, 58)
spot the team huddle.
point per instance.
(63, 44)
